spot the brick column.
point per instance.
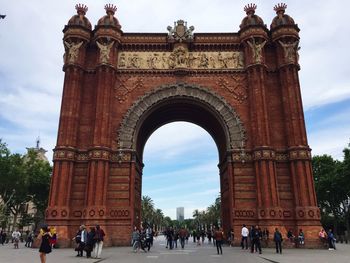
(268, 204)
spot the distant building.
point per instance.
(180, 214)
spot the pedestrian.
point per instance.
(90, 242)
(16, 235)
(277, 237)
(198, 237)
(53, 239)
(135, 237)
(99, 236)
(266, 236)
(209, 235)
(301, 237)
(194, 235)
(29, 240)
(323, 237)
(83, 239)
(3, 237)
(45, 247)
(219, 237)
(176, 237)
(255, 236)
(230, 237)
(149, 237)
(182, 236)
(244, 234)
(331, 240)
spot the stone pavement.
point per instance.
(191, 253)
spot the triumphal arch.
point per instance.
(242, 87)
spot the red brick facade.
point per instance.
(243, 88)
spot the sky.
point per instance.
(31, 81)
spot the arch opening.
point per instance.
(181, 171)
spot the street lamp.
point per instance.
(2, 16)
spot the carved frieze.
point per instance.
(181, 58)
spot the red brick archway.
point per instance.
(243, 88)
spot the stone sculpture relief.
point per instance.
(72, 52)
(105, 50)
(291, 54)
(181, 58)
(257, 50)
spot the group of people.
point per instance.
(16, 237)
(90, 241)
(142, 238)
(173, 235)
(327, 238)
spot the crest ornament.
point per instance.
(180, 32)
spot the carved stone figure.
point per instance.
(153, 61)
(257, 50)
(122, 61)
(73, 51)
(180, 57)
(189, 32)
(240, 60)
(222, 60)
(203, 62)
(164, 61)
(135, 61)
(105, 50)
(290, 51)
(191, 60)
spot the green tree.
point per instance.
(39, 174)
(331, 187)
(23, 179)
(147, 210)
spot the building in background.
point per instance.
(180, 214)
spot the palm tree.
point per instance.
(147, 209)
(158, 218)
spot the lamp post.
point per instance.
(2, 16)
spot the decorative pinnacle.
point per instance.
(81, 9)
(280, 7)
(250, 8)
(110, 8)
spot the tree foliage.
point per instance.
(332, 185)
(23, 179)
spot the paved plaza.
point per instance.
(191, 253)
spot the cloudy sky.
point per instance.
(31, 81)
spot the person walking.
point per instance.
(255, 235)
(83, 239)
(16, 235)
(182, 235)
(149, 237)
(230, 237)
(277, 237)
(331, 240)
(45, 247)
(244, 234)
(3, 237)
(99, 236)
(219, 237)
(90, 242)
